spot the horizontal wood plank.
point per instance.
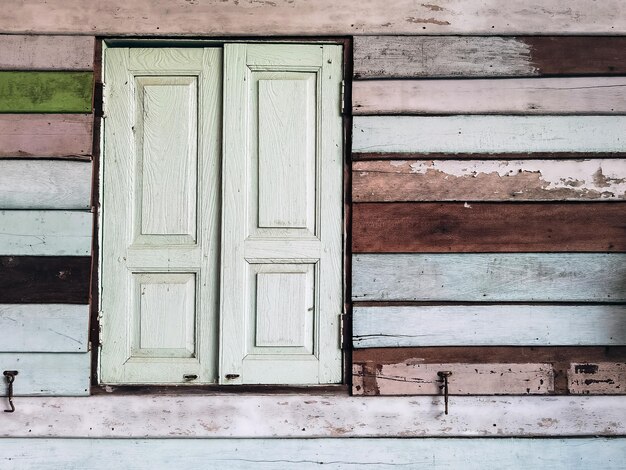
(323, 17)
(311, 416)
(480, 180)
(472, 156)
(466, 379)
(527, 96)
(305, 454)
(428, 56)
(31, 52)
(45, 184)
(47, 374)
(45, 135)
(499, 277)
(46, 92)
(44, 328)
(488, 134)
(45, 279)
(488, 325)
(608, 378)
(45, 233)
(405, 227)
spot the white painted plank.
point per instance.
(607, 378)
(473, 277)
(45, 233)
(30, 52)
(489, 180)
(303, 454)
(313, 415)
(489, 325)
(488, 134)
(48, 374)
(45, 184)
(571, 95)
(323, 17)
(44, 328)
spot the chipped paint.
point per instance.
(412, 19)
(607, 378)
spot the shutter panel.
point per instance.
(160, 215)
(281, 291)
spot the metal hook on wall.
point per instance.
(443, 377)
(10, 375)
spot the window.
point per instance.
(221, 250)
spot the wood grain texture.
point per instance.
(44, 279)
(46, 92)
(466, 379)
(427, 56)
(45, 233)
(47, 374)
(526, 96)
(45, 184)
(488, 325)
(473, 155)
(405, 227)
(30, 52)
(45, 135)
(481, 180)
(325, 17)
(306, 454)
(44, 328)
(605, 378)
(488, 134)
(498, 277)
(326, 416)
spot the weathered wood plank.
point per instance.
(528, 277)
(45, 233)
(305, 454)
(466, 379)
(46, 92)
(47, 374)
(44, 328)
(607, 378)
(44, 279)
(488, 134)
(45, 184)
(311, 416)
(472, 156)
(413, 227)
(488, 325)
(427, 56)
(480, 180)
(30, 52)
(45, 135)
(323, 17)
(557, 96)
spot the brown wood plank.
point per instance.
(488, 227)
(368, 362)
(44, 279)
(32, 52)
(429, 56)
(45, 135)
(366, 156)
(601, 378)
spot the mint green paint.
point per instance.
(46, 92)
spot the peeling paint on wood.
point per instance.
(45, 135)
(32, 52)
(607, 378)
(466, 379)
(479, 180)
(556, 96)
(428, 56)
(46, 92)
(411, 227)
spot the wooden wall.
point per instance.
(488, 229)
(46, 141)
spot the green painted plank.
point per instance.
(304, 454)
(46, 92)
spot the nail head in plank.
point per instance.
(472, 277)
(488, 325)
(33, 52)
(44, 328)
(46, 92)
